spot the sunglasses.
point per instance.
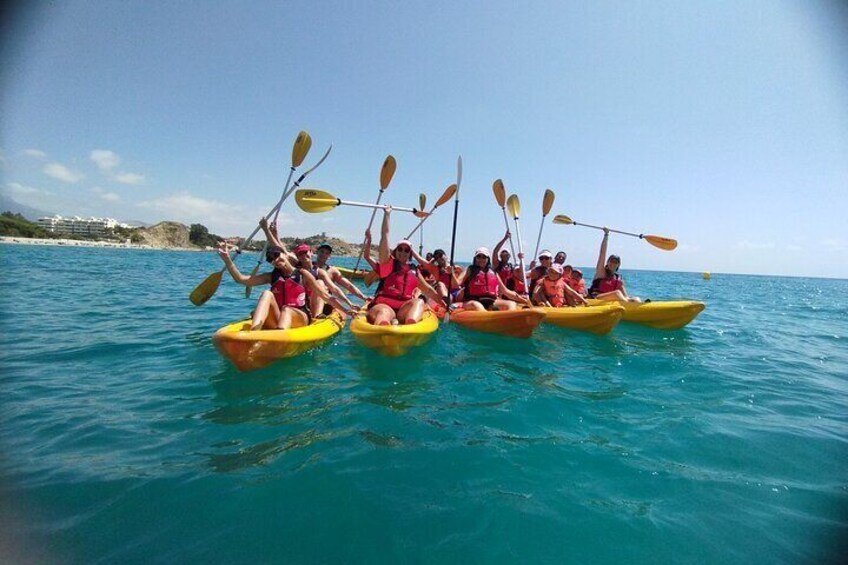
(404, 249)
(270, 256)
(481, 256)
(544, 258)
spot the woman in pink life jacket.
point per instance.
(401, 283)
(482, 287)
(608, 284)
(284, 305)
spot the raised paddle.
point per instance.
(514, 206)
(446, 195)
(422, 204)
(453, 233)
(547, 204)
(302, 144)
(664, 243)
(316, 201)
(207, 288)
(500, 198)
(387, 171)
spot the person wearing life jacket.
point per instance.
(553, 290)
(577, 282)
(501, 263)
(537, 273)
(608, 284)
(284, 305)
(322, 256)
(302, 257)
(482, 287)
(573, 297)
(442, 275)
(396, 299)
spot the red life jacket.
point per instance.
(608, 284)
(505, 271)
(518, 285)
(397, 287)
(288, 290)
(483, 284)
(554, 291)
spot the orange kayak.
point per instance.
(251, 349)
(598, 320)
(513, 323)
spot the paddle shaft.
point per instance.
(639, 235)
(539, 239)
(506, 223)
(521, 255)
(370, 223)
(453, 237)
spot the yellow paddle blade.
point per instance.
(664, 243)
(422, 200)
(387, 172)
(448, 194)
(500, 192)
(514, 205)
(301, 147)
(565, 220)
(548, 201)
(206, 289)
(315, 201)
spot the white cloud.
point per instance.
(105, 160)
(107, 196)
(129, 178)
(62, 173)
(19, 189)
(35, 153)
(755, 246)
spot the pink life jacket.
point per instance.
(484, 284)
(288, 290)
(397, 287)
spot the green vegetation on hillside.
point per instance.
(16, 225)
(199, 235)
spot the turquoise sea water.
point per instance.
(126, 438)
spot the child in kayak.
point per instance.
(482, 287)
(553, 290)
(284, 306)
(577, 282)
(559, 258)
(395, 298)
(608, 284)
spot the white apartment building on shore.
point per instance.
(85, 227)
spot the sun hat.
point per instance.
(302, 248)
(577, 272)
(545, 253)
(556, 267)
(482, 251)
(404, 242)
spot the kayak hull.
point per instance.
(394, 341)
(599, 320)
(358, 274)
(514, 323)
(664, 315)
(249, 350)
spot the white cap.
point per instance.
(482, 251)
(545, 253)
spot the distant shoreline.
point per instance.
(86, 243)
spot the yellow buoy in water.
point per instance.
(706, 275)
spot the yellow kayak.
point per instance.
(394, 340)
(600, 319)
(513, 323)
(664, 315)
(351, 274)
(249, 350)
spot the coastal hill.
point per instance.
(171, 235)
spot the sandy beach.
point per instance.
(86, 243)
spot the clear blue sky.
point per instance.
(721, 124)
